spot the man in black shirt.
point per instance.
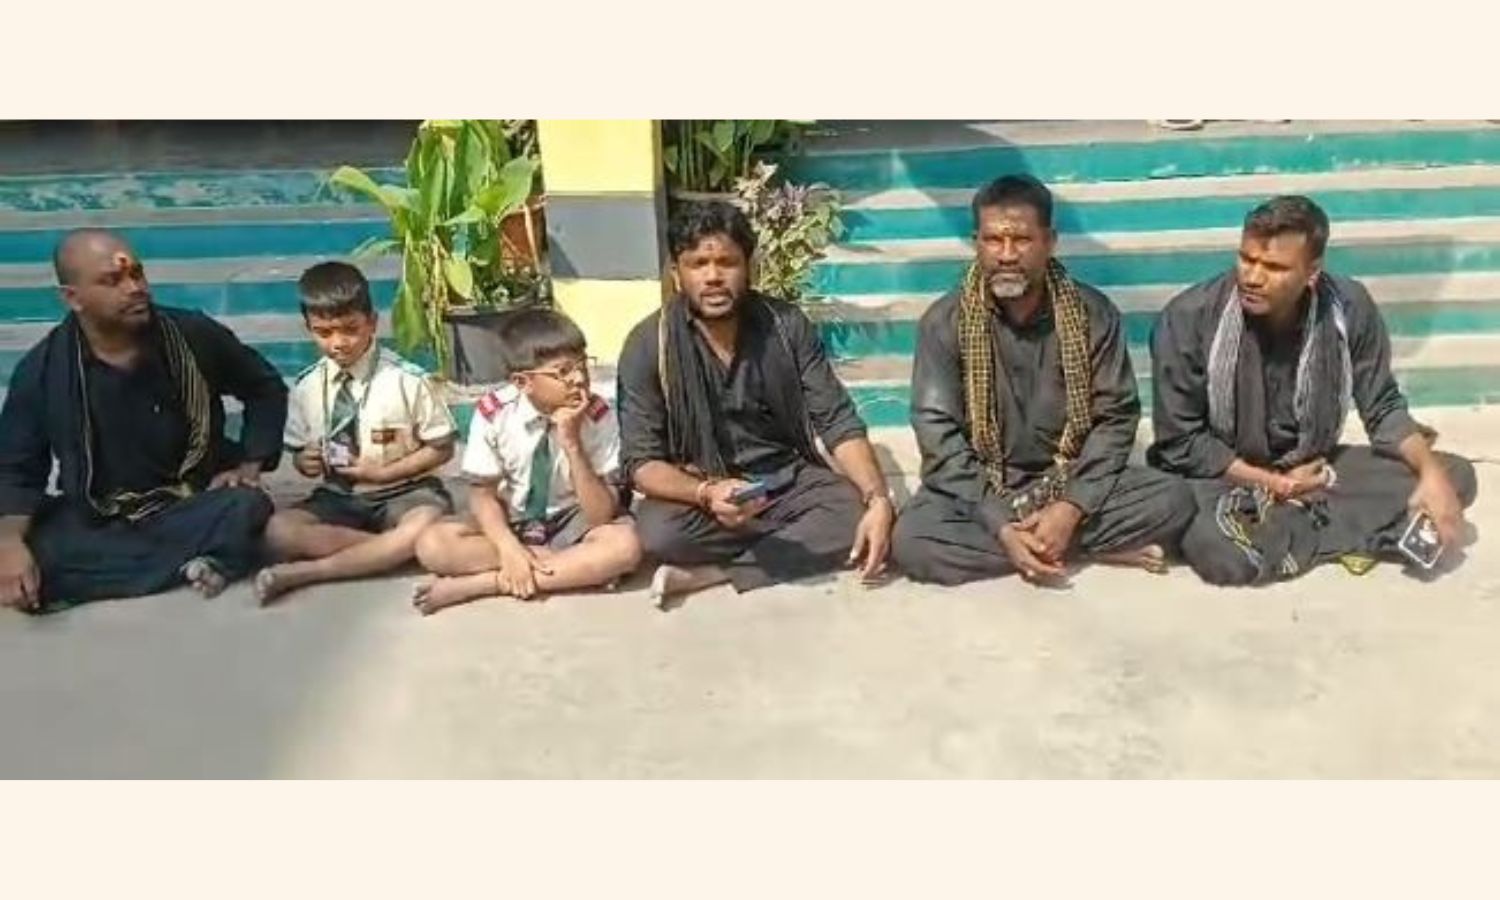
(1255, 371)
(1025, 409)
(723, 391)
(127, 397)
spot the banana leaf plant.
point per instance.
(461, 182)
(711, 155)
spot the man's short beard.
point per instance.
(1003, 288)
(696, 310)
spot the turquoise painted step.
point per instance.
(289, 357)
(234, 298)
(179, 190)
(898, 337)
(884, 406)
(210, 240)
(1135, 161)
(922, 276)
(1178, 213)
(843, 278)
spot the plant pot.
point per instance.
(523, 233)
(477, 356)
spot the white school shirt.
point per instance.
(503, 437)
(399, 409)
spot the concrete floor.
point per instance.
(1124, 675)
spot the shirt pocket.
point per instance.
(389, 425)
(390, 440)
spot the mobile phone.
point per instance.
(337, 454)
(1420, 542)
(752, 491)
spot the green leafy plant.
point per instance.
(794, 226)
(710, 155)
(463, 177)
(520, 134)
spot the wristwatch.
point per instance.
(871, 496)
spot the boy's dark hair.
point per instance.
(1015, 190)
(533, 335)
(332, 289)
(697, 221)
(1290, 214)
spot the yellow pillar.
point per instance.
(606, 224)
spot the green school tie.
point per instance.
(345, 416)
(541, 480)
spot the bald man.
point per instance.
(127, 396)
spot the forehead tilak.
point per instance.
(1006, 221)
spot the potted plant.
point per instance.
(794, 226)
(463, 180)
(523, 233)
(704, 158)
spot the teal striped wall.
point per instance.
(231, 243)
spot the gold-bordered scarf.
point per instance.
(193, 389)
(978, 352)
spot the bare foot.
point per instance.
(1150, 557)
(671, 584)
(204, 576)
(437, 594)
(271, 583)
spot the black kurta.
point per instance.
(1363, 513)
(139, 438)
(750, 438)
(140, 413)
(950, 531)
(1180, 344)
(810, 526)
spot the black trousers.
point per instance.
(941, 540)
(82, 560)
(807, 530)
(1365, 512)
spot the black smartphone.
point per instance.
(1420, 542)
(752, 491)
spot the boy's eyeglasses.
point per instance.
(568, 370)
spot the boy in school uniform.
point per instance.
(371, 426)
(543, 463)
